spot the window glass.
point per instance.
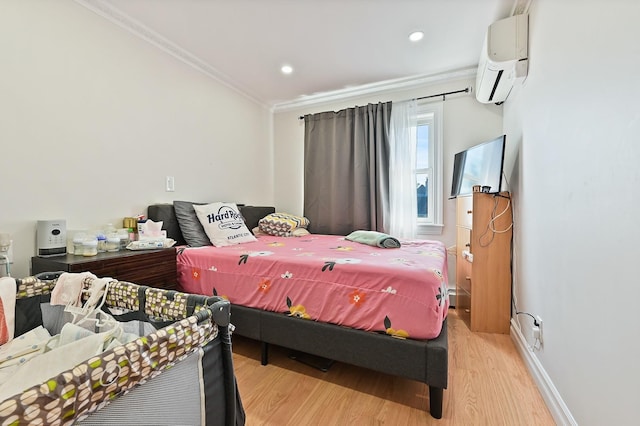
(423, 195)
(428, 169)
(422, 159)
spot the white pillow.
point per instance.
(223, 224)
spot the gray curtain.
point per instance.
(346, 169)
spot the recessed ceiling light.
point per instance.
(416, 36)
(286, 69)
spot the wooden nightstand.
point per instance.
(154, 268)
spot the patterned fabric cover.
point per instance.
(399, 292)
(282, 224)
(31, 286)
(75, 393)
(169, 305)
(159, 303)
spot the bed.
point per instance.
(392, 321)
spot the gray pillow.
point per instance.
(190, 226)
(252, 214)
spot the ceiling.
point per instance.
(332, 45)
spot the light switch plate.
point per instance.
(170, 184)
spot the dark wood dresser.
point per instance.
(154, 268)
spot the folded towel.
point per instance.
(68, 289)
(374, 238)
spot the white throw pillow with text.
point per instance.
(223, 224)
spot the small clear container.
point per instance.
(90, 247)
(113, 243)
(78, 244)
(102, 243)
(123, 234)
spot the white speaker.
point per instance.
(51, 236)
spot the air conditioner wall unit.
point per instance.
(503, 60)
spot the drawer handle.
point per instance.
(467, 278)
(468, 245)
(469, 211)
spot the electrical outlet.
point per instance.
(537, 330)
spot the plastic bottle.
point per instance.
(123, 234)
(113, 243)
(78, 244)
(132, 235)
(90, 247)
(102, 242)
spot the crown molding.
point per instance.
(374, 88)
(108, 11)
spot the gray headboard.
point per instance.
(166, 214)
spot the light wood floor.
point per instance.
(488, 385)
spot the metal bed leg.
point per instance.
(264, 350)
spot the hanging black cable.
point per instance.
(444, 95)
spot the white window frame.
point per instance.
(431, 114)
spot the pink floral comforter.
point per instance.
(401, 292)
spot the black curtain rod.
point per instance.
(465, 90)
(444, 94)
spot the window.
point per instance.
(415, 179)
(428, 169)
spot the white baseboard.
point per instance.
(559, 410)
(452, 297)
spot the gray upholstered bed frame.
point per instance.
(423, 360)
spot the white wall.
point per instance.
(93, 118)
(466, 123)
(576, 180)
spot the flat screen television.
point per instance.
(481, 165)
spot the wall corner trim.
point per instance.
(559, 410)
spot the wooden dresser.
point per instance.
(153, 268)
(483, 261)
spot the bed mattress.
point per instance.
(401, 292)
